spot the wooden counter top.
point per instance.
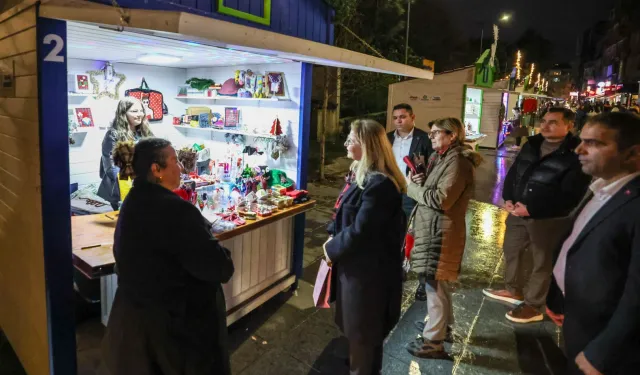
(92, 237)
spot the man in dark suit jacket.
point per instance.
(408, 140)
(595, 291)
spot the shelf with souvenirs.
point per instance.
(241, 153)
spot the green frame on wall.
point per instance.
(265, 20)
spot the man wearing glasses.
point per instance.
(544, 185)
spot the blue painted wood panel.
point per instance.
(306, 19)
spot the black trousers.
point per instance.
(365, 358)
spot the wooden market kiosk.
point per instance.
(471, 94)
(42, 43)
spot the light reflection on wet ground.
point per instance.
(484, 341)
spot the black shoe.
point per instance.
(420, 326)
(421, 294)
(427, 349)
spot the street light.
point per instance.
(504, 18)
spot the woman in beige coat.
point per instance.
(443, 194)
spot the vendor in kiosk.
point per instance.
(130, 124)
(169, 313)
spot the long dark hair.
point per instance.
(120, 124)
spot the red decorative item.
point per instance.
(276, 129)
(83, 82)
(409, 241)
(85, 119)
(177, 121)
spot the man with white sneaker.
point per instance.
(544, 185)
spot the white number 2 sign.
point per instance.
(58, 44)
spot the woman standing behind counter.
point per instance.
(168, 315)
(129, 124)
(366, 247)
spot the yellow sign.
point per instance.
(429, 65)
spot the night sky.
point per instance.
(560, 21)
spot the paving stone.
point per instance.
(278, 362)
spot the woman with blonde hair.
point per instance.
(130, 124)
(365, 246)
(443, 194)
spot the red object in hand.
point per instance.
(409, 163)
(182, 193)
(409, 241)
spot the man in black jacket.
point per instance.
(595, 291)
(408, 140)
(543, 186)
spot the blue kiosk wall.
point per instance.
(308, 19)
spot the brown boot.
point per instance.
(503, 295)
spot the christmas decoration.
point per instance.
(518, 62)
(276, 129)
(104, 82)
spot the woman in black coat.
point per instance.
(365, 248)
(168, 315)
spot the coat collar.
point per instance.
(569, 143)
(629, 192)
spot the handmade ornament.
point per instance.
(275, 83)
(200, 84)
(250, 81)
(187, 157)
(240, 76)
(259, 91)
(276, 128)
(84, 117)
(106, 82)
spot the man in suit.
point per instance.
(595, 291)
(408, 140)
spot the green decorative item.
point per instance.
(264, 20)
(484, 72)
(278, 177)
(200, 84)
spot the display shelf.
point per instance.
(471, 117)
(273, 99)
(78, 94)
(230, 131)
(92, 237)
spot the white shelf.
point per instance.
(230, 131)
(471, 117)
(273, 99)
(78, 95)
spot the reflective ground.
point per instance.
(289, 336)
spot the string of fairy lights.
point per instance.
(541, 84)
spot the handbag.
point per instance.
(152, 101)
(322, 288)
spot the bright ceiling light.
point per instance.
(505, 17)
(158, 59)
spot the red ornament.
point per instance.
(276, 129)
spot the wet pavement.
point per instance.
(288, 335)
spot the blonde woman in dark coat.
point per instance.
(366, 247)
(443, 196)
